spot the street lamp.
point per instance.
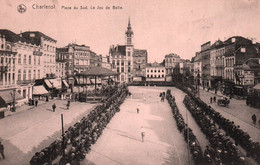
(52, 90)
(13, 97)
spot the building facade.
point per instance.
(172, 63)
(48, 50)
(76, 57)
(25, 67)
(139, 64)
(155, 72)
(122, 58)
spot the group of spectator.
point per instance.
(221, 149)
(76, 142)
(189, 137)
(234, 131)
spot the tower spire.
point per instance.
(129, 31)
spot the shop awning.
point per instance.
(2, 103)
(56, 84)
(65, 83)
(257, 87)
(39, 90)
(48, 83)
(8, 96)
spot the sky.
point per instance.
(160, 27)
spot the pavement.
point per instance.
(236, 111)
(31, 129)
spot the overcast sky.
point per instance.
(161, 27)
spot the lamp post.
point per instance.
(13, 97)
(52, 90)
(198, 83)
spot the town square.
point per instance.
(143, 83)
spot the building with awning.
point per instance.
(53, 83)
(39, 91)
(10, 96)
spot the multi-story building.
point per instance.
(139, 64)
(217, 52)
(77, 58)
(155, 72)
(172, 63)
(25, 67)
(197, 67)
(121, 57)
(248, 74)
(60, 69)
(48, 50)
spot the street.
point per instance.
(29, 131)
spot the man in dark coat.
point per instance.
(53, 107)
(254, 118)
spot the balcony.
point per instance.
(19, 82)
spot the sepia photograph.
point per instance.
(130, 82)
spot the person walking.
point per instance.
(214, 99)
(137, 110)
(142, 133)
(254, 118)
(53, 107)
(2, 150)
(68, 105)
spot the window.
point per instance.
(162, 70)
(117, 69)
(117, 63)
(162, 75)
(19, 75)
(39, 73)
(154, 71)
(129, 62)
(122, 62)
(39, 60)
(19, 59)
(151, 70)
(34, 60)
(13, 77)
(128, 53)
(129, 69)
(30, 59)
(29, 74)
(158, 71)
(24, 59)
(24, 74)
(122, 69)
(2, 60)
(159, 76)
(34, 74)
(147, 70)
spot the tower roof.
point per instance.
(129, 30)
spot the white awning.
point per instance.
(65, 83)
(39, 90)
(48, 83)
(56, 84)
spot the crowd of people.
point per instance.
(221, 149)
(189, 137)
(76, 142)
(234, 131)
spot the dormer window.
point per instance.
(233, 40)
(243, 50)
(32, 35)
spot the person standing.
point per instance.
(2, 150)
(36, 102)
(142, 134)
(53, 107)
(137, 110)
(254, 118)
(68, 105)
